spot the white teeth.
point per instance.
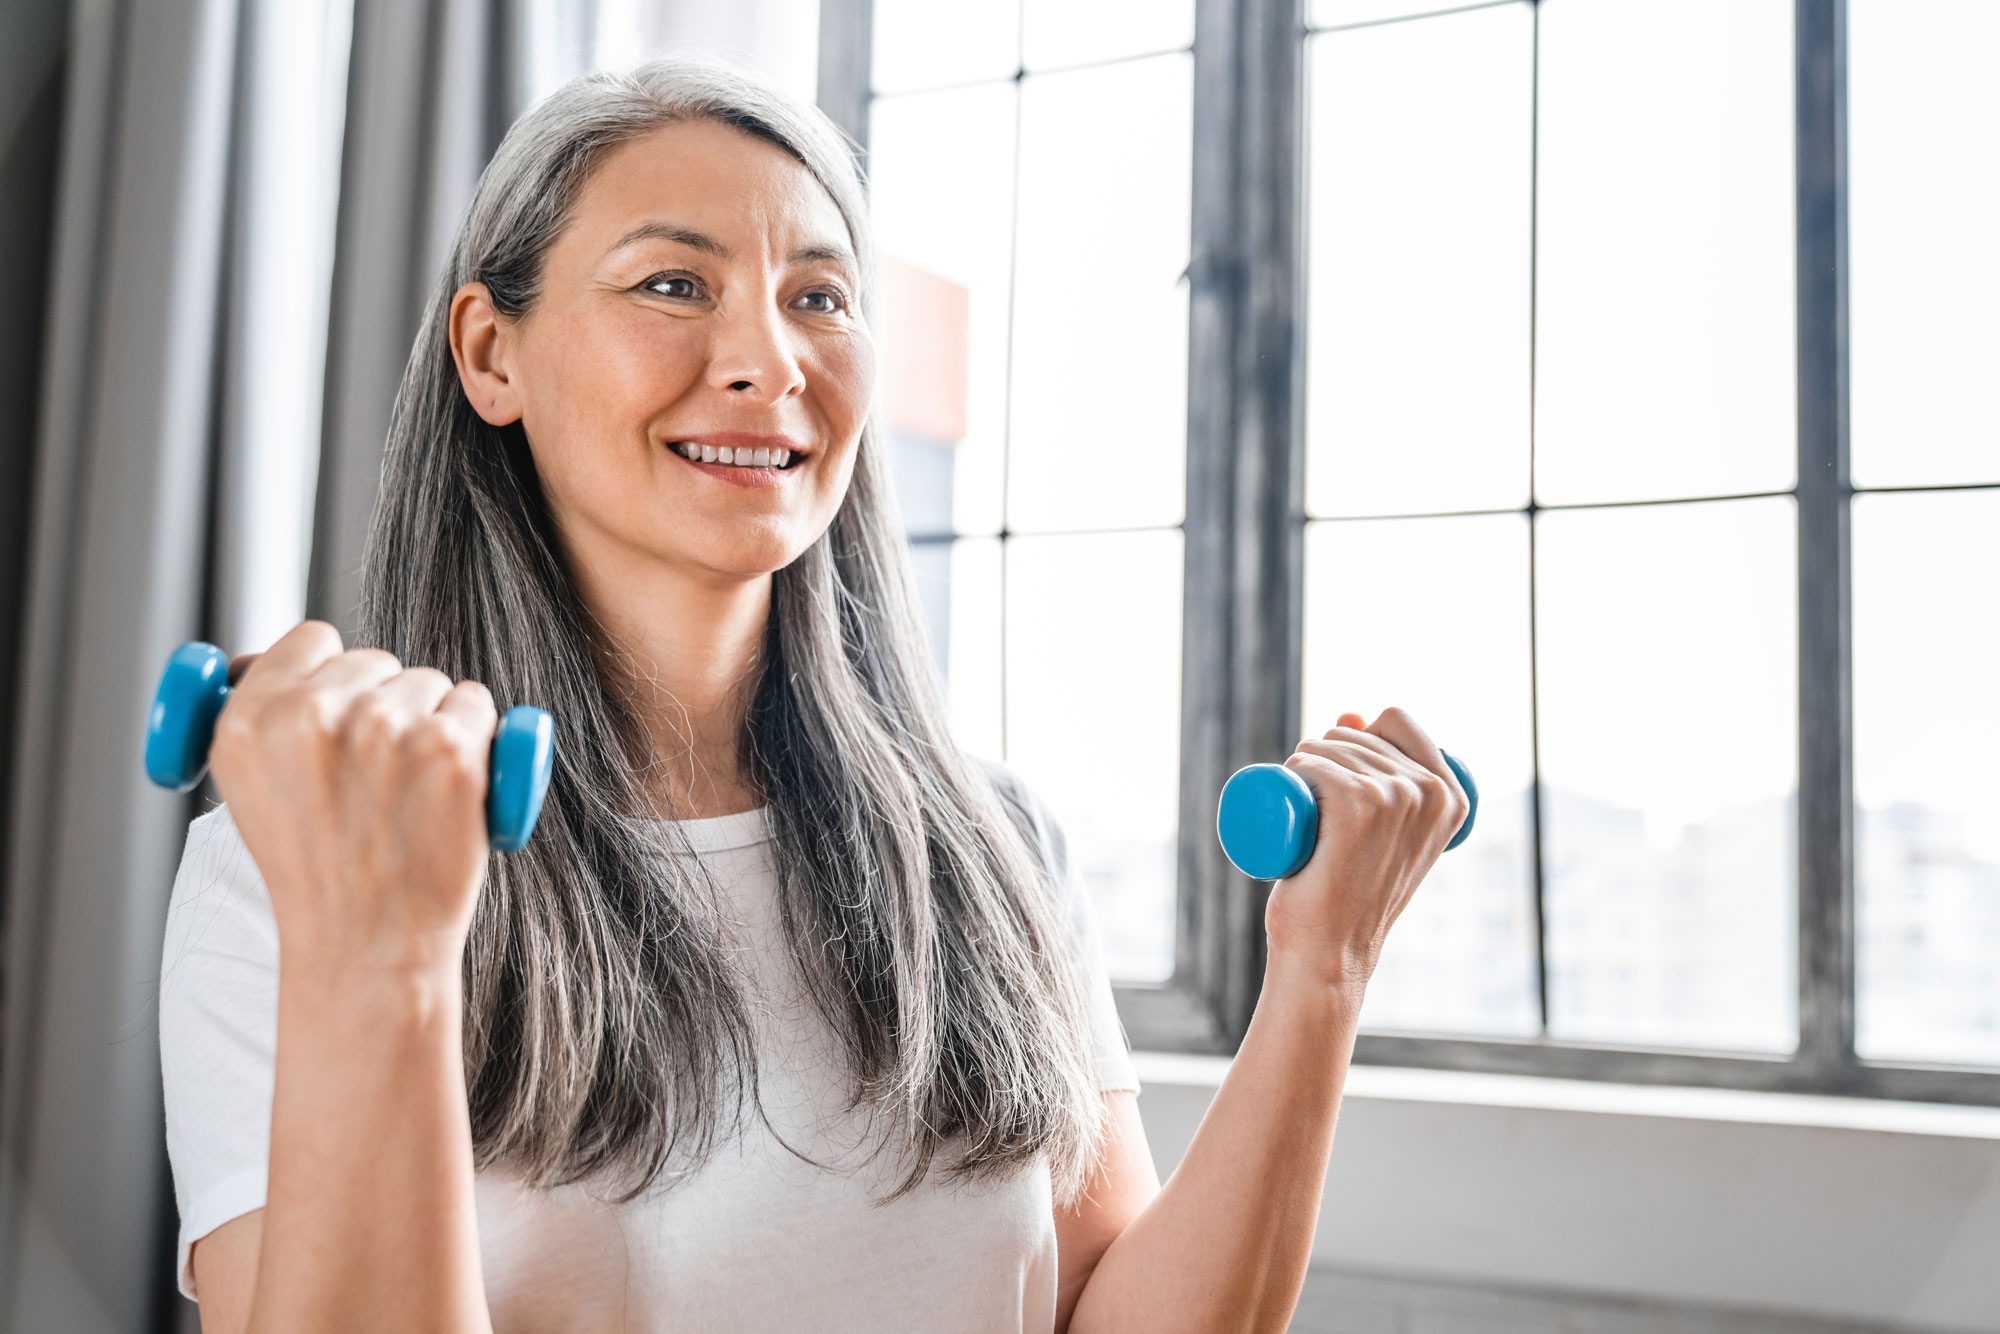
(740, 457)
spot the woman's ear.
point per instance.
(481, 341)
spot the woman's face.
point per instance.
(702, 304)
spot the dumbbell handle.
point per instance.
(195, 686)
(1268, 821)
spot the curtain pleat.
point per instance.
(115, 573)
(431, 91)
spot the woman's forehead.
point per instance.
(711, 181)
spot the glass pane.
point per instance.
(1462, 956)
(1666, 316)
(1926, 785)
(941, 179)
(1098, 437)
(1417, 351)
(932, 43)
(1094, 720)
(930, 563)
(1335, 13)
(1923, 152)
(973, 658)
(1667, 660)
(1074, 32)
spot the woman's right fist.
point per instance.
(359, 788)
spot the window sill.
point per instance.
(1397, 1084)
(1844, 1208)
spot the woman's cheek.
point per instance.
(847, 369)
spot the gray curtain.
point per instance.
(433, 87)
(141, 518)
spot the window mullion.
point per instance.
(846, 55)
(1826, 778)
(1264, 436)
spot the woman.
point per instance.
(789, 1015)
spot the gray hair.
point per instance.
(606, 1036)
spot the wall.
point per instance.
(1870, 1212)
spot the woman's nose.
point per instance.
(753, 355)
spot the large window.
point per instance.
(1034, 330)
(1251, 365)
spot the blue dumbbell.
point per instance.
(195, 686)
(1267, 819)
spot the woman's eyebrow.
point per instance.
(669, 231)
(837, 254)
(708, 245)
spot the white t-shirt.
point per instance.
(755, 1240)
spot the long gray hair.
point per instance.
(606, 1035)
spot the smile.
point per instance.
(742, 457)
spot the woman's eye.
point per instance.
(824, 302)
(676, 285)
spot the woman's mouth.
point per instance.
(743, 456)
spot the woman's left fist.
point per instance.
(1388, 804)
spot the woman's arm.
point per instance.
(1123, 1185)
(1225, 1243)
(368, 1214)
(369, 1207)
(358, 789)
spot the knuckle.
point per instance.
(429, 741)
(376, 657)
(369, 721)
(316, 713)
(319, 634)
(438, 743)
(234, 728)
(428, 675)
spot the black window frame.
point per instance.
(1244, 577)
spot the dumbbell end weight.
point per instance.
(1268, 821)
(181, 723)
(523, 756)
(195, 686)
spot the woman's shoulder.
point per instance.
(217, 873)
(1031, 815)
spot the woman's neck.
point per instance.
(689, 649)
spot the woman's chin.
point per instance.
(750, 559)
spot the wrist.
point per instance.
(1341, 972)
(404, 993)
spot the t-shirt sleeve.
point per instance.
(1115, 1069)
(218, 1032)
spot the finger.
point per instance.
(238, 666)
(1401, 730)
(1325, 777)
(355, 671)
(299, 652)
(472, 705)
(1367, 741)
(1352, 755)
(415, 692)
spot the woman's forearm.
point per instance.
(368, 1218)
(1225, 1244)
